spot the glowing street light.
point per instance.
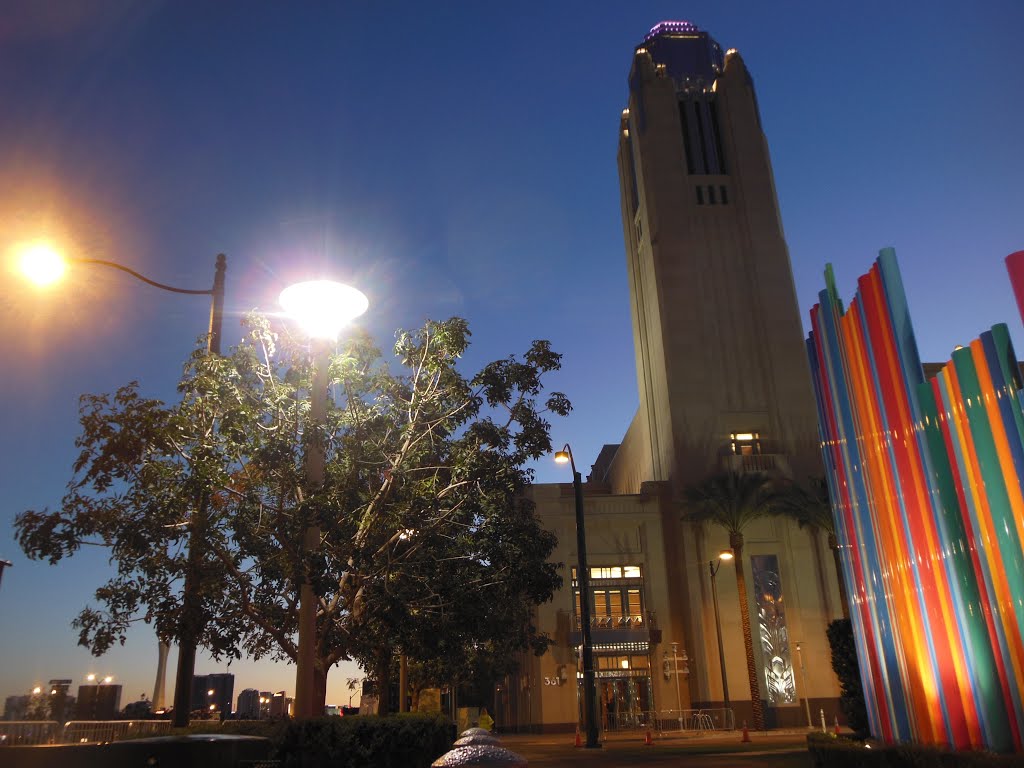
(564, 456)
(713, 566)
(43, 264)
(322, 308)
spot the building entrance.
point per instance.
(624, 702)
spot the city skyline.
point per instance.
(457, 165)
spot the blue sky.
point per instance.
(450, 158)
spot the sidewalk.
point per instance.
(783, 748)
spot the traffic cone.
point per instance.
(746, 733)
(837, 725)
(579, 741)
(647, 738)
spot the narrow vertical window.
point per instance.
(700, 195)
(635, 608)
(717, 134)
(684, 122)
(615, 604)
(711, 194)
(725, 195)
(705, 166)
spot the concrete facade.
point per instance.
(723, 384)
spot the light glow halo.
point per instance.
(323, 307)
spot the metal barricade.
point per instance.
(629, 721)
(695, 720)
(87, 731)
(29, 732)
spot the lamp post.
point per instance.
(43, 265)
(713, 566)
(4, 564)
(322, 308)
(803, 676)
(564, 456)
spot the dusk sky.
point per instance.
(448, 158)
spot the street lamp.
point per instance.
(322, 308)
(564, 456)
(713, 566)
(4, 564)
(803, 675)
(42, 264)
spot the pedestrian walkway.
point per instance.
(720, 748)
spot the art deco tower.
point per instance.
(721, 366)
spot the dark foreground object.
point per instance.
(198, 751)
(838, 752)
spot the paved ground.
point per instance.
(775, 749)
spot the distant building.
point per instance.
(724, 387)
(16, 707)
(213, 693)
(59, 703)
(280, 705)
(98, 702)
(250, 703)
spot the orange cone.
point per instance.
(837, 725)
(746, 733)
(579, 741)
(647, 738)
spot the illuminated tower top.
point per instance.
(686, 52)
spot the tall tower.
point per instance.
(721, 367)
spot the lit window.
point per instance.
(745, 443)
(634, 602)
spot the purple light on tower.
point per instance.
(668, 27)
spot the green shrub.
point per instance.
(365, 741)
(847, 669)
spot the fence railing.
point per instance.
(669, 720)
(634, 621)
(30, 732)
(695, 720)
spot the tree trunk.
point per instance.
(833, 544)
(736, 542)
(819, 571)
(319, 690)
(384, 683)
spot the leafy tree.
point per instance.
(425, 541)
(734, 500)
(811, 508)
(847, 669)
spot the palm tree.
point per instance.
(811, 508)
(733, 500)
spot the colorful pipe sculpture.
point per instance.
(925, 480)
